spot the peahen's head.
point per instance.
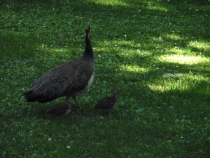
(86, 32)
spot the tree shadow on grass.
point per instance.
(16, 45)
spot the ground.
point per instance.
(154, 54)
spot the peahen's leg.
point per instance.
(68, 102)
(75, 100)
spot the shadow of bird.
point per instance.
(60, 109)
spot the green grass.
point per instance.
(135, 43)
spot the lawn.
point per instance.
(154, 53)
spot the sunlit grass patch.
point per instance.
(173, 37)
(134, 68)
(183, 59)
(200, 45)
(178, 51)
(115, 44)
(170, 85)
(52, 49)
(194, 84)
(199, 77)
(154, 5)
(58, 50)
(110, 2)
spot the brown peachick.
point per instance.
(107, 103)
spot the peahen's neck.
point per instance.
(88, 54)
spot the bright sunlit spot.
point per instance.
(109, 2)
(52, 49)
(181, 59)
(167, 87)
(134, 68)
(159, 8)
(59, 50)
(173, 36)
(200, 45)
(182, 84)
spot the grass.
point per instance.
(135, 43)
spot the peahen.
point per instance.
(68, 79)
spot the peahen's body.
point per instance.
(68, 79)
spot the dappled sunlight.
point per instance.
(183, 59)
(148, 5)
(109, 2)
(200, 45)
(134, 68)
(197, 78)
(116, 43)
(125, 48)
(154, 54)
(177, 50)
(155, 6)
(184, 83)
(160, 8)
(52, 49)
(58, 50)
(173, 37)
(170, 86)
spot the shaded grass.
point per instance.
(135, 43)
